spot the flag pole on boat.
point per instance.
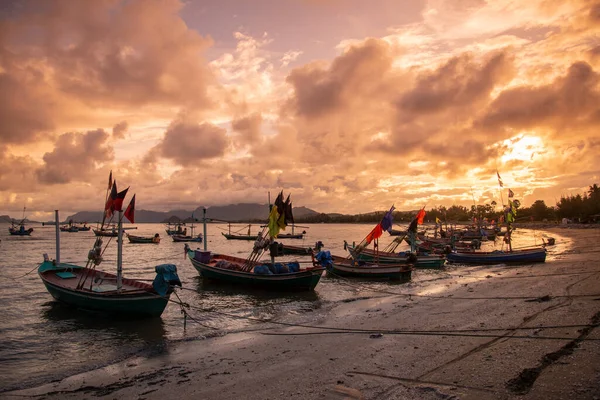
(120, 252)
(56, 227)
(205, 239)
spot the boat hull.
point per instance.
(229, 236)
(498, 257)
(183, 238)
(347, 268)
(141, 239)
(294, 281)
(18, 232)
(424, 262)
(139, 302)
(290, 236)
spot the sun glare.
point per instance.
(523, 148)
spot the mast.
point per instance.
(204, 227)
(56, 228)
(120, 252)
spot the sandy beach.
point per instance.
(496, 332)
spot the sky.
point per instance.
(350, 106)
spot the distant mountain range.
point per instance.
(244, 212)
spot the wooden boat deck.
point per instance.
(97, 281)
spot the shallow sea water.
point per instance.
(42, 340)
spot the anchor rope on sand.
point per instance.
(333, 330)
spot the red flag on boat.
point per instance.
(109, 181)
(420, 216)
(117, 204)
(510, 193)
(130, 211)
(108, 207)
(374, 234)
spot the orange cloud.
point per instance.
(188, 143)
(75, 157)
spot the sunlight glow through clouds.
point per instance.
(523, 147)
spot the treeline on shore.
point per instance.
(582, 208)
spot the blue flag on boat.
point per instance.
(388, 220)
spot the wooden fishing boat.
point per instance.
(290, 236)
(110, 232)
(347, 267)
(523, 256)
(20, 230)
(69, 228)
(88, 288)
(252, 272)
(233, 236)
(286, 249)
(84, 228)
(293, 234)
(100, 291)
(230, 269)
(187, 238)
(176, 228)
(381, 257)
(143, 239)
(238, 235)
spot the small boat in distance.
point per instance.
(176, 228)
(286, 249)
(111, 231)
(240, 236)
(187, 238)
(19, 229)
(143, 239)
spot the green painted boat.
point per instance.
(99, 291)
(369, 255)
(88, 288)
(220, 267)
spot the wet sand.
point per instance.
(497, 332)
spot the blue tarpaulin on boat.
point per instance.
(262, 270)
(324, 258)
(166, 275)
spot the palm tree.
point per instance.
(594, 191)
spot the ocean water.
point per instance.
(42, 340)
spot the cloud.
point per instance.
(187, 143)
(17, 172)
(461, 82)
(570, 100)
(75, 157)
(119, 130)
(26, 113)
(319, 90)
(248, 128)
(63, 63)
